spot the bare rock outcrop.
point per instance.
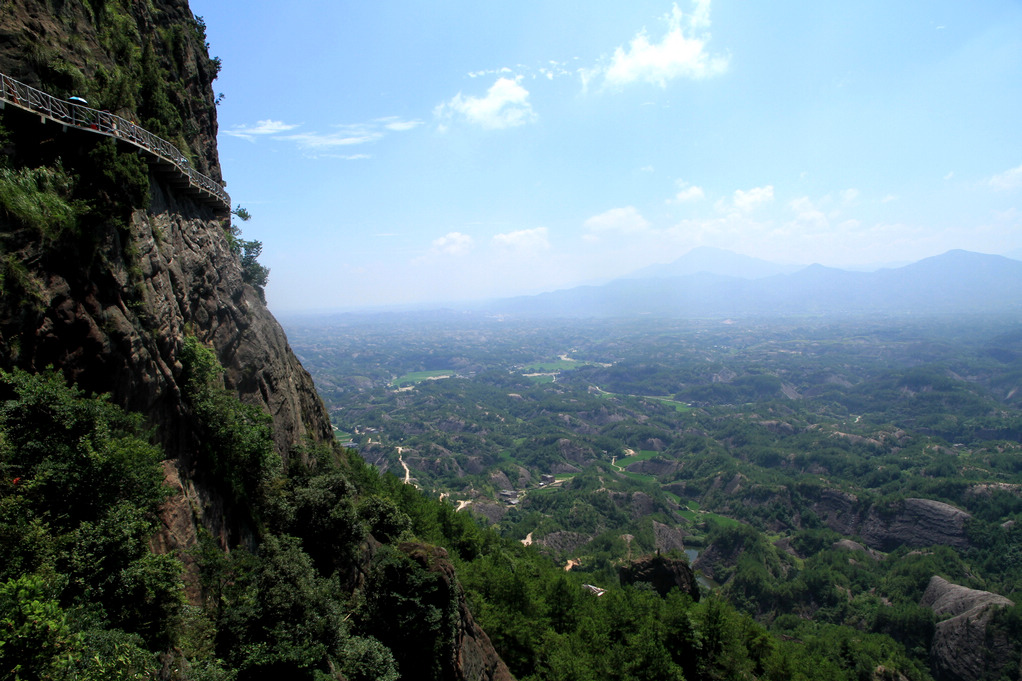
(911, 522)
(965, 647)
(564, 542)
(662, 573)
(471, 656)
(917, 522)
(856, 547)
(668, 538)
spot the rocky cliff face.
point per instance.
(662, 573)
(118, 268)
(109, 307)
(145, 61)
(913, 522)
(965, 646)
(472, 656)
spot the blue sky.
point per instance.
(408, 152)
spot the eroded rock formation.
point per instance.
(662, 573)
(965, 646)
(912, 522)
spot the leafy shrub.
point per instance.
(236, 438)
(40, 199)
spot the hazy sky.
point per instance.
(395, 152)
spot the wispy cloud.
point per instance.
(687, 192)
(1008, 180)
(397, 124)
(681, 53)
(345, 137)
(505, 105)
(625, 220)
(261, 128)
(746, 200)
(523, 240)
(849, 196)
(453, 243)
(313, 141)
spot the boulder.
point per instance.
(661, 572)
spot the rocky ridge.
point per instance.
(912, 522)
(965, 646)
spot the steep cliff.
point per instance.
(965, 646)
(129, 285)
(108, 297)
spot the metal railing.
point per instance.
(104, 123)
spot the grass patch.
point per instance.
(720, 519)
(414, 377)
(688, 515)
(40, 198)
(557, 365)
(541, 379)
(678, 406)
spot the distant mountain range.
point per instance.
(706, 259)
(716, 283)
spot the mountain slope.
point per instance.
(955, 282)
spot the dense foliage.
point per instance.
(738, 437)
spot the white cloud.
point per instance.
(625, 220)
(506, 105)
(807, 213)
(747, 200)
(1008, 180)
(681, 53)
(330, 140)
(687, 192)
(340, 136)
(453, 243)
(267, 127)
(396, 124)
(524, 240)
(849, 195)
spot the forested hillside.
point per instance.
(517, 500)
(818, 473)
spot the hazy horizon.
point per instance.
(403, 154)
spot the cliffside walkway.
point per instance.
(161, 153)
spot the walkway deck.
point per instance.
(161, 153)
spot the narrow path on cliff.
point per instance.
(164, 155)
